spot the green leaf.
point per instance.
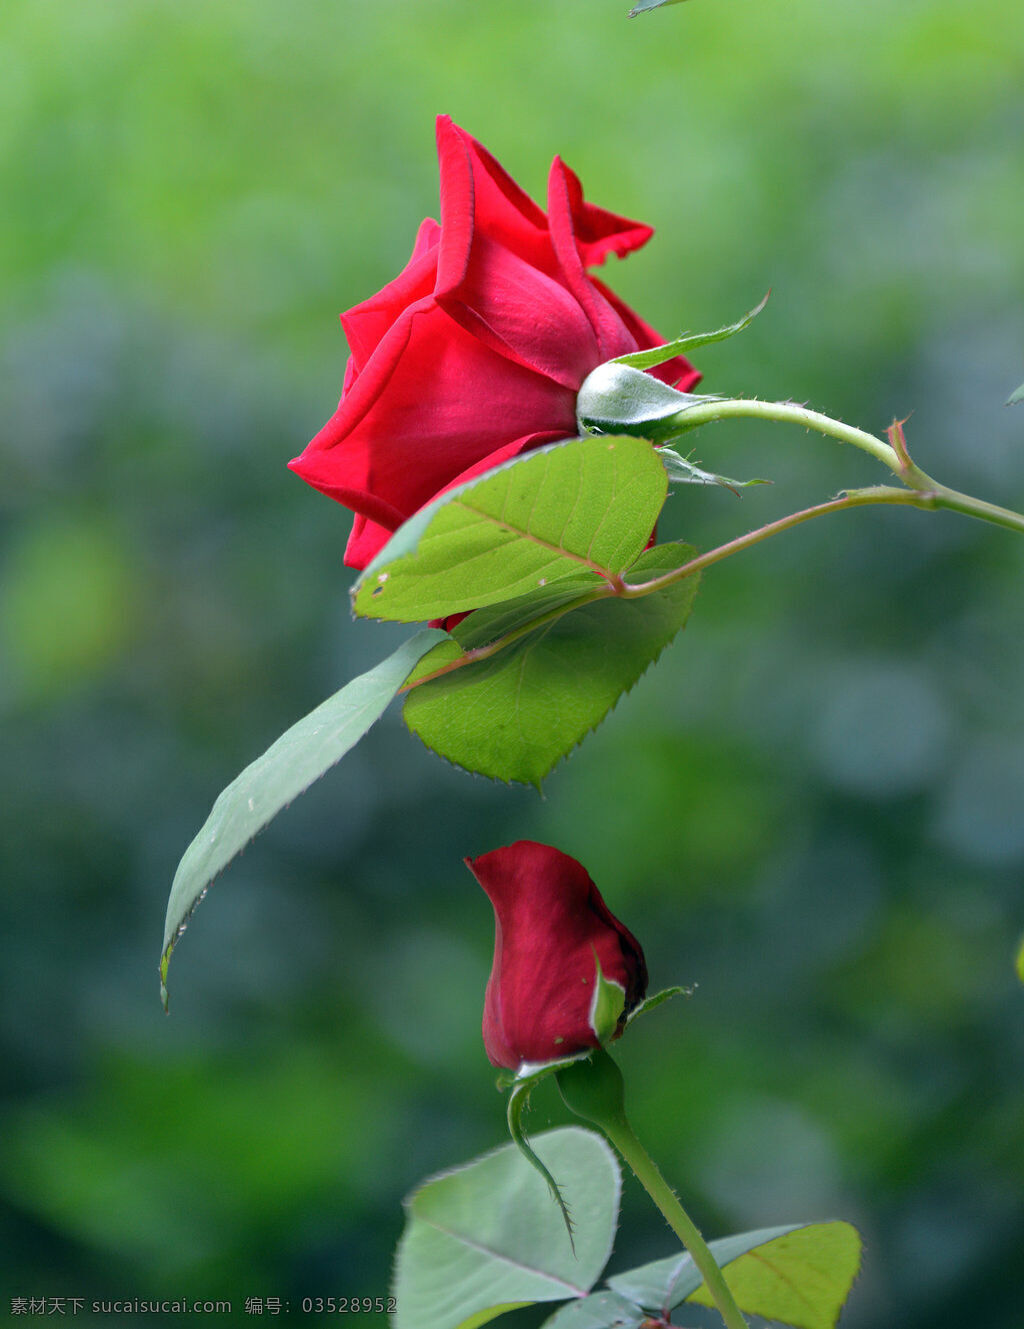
(689, 341)
(601, 1310)
(1020, 960)
(514, 714)
(1016, 396)
(800, 1275)
(588, 504)
(301, 755)
(488, 624)
(683, 471)
(486, 1237)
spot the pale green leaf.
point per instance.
(1016, 396)
(689, 341)
(301, 755)
(514, 714)
(586, 505)
(486, 1237)
(601, 1310)
(799, 1276)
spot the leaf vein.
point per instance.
(505, 1259)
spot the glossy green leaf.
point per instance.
(301, 755)
(486, 1237)
(488, 624)
(586, 505)
(689, 341)
(800, 1276)
(514, 714)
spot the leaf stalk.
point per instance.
(921, 491)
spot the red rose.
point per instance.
(476, 351)
(552, 929)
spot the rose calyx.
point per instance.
(618, 399)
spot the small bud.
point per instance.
(618, 399)
(566, 972)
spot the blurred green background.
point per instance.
(813, 808)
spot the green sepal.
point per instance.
(642, 6)
(683, 471)
(606, 1005)
(649, 1003)
(689, 341)
(1016, 396)
(593, 1088)
(620, 400)
(528, 1076)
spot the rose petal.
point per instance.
(609, 331)
(402, 434)
(550, 924)
(597, 231)
(677, 372)
(367, 323)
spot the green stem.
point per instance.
(593, 1088)
(928, 493)
(921, 492)
(649, 1176)
(854, 498)
(934, 495)
(735, 408)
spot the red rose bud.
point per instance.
(560, 958)
(476, 351)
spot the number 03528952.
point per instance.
(349, 1305)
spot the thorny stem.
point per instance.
(788, 412)
(921, 492)
(593, 1089)
(854, 498)
(649, 1176)
(927, 493)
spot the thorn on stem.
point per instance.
(898, 441)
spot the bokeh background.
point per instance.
(812, 809)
